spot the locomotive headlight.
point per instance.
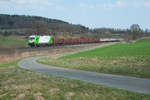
(31, 40)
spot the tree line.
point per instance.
(31, 25)
(8, 22)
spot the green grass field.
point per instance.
(139, 49)
(20, 84)
(10, 43)
(132, 59)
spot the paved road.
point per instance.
(115, 81)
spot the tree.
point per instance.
(135, 31)
(147, 32)
(135, 27)
(6, 33)
(40, 28)
(29, 32)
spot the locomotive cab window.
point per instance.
(31, 38)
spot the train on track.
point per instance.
(47, 40)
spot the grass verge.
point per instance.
(131, 59)
(19, 84)
(10, 43)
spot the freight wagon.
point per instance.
(36, 40)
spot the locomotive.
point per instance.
(36, 40)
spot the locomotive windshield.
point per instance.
(31, 38)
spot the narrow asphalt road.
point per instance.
(116, 81)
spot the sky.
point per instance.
(91, 13)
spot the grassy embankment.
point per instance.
(19, 84)
(131, 59)
(8, 43)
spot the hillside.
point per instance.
(25, 22)
(22, 24)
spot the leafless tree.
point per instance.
(135, 31)
(29, 32)
(40, 28)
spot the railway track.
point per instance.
(29, 49)
(56, 47)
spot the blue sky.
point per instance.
(91, 13)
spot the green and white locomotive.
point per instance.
(37, 40)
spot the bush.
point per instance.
(6, 33)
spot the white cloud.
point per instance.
(58, 7)
(84, 5)
(25, 4)
(5, 0)
(119, 3)
(147, 4)
(22, 2)
(29, 5)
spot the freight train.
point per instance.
(37, 40)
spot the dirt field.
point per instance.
(8, 55)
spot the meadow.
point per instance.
(20, 84)
(132, 59)
(10, 43)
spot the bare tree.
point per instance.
(135, 31)
(128, 37)
(40, 28)
(29, 32)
